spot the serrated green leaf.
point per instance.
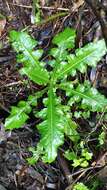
(35, 154)
(37, 54)
(87, 155)
(18, 116)
(65, 39)
(79, 114)
(59, 53)
(21, 41)
(102, 138)
(70, 130)
(84, 164)
(24, 45)
(51, 129)
(77, 162)
(89, 97)
(88, 55)
(80, 186)
(86, 114)
(37, 75)
(70, 155)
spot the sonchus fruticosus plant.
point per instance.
(56, 117)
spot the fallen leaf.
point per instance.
(2, 25)
(78, 4)
(101, 161)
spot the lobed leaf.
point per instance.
(88, 55)
(90, 98)
(37, 75)
(70, 155)
(70, 129)
(22, 41)
(18, 115)
(80, 186)
(55, 124)
(65, 39)
(51, 129)
(86, 96)
(24, 45)
(59, 53)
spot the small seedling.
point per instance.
(82, 159)
(80, 186)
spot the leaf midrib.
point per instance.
(51, 111)
(64, 71)
(86, 97)
(40, 77)
(23, 110)
(29, 54)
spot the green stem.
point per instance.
(53, 17)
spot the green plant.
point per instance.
(101, 138)
(36, 12)
(36, 16)
(80, 186)
(79, 160)
(57, 119)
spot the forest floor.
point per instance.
(15, 172)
